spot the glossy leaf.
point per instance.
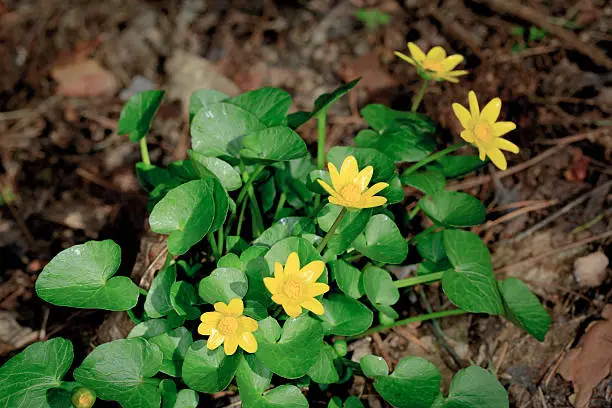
(174, 346)
(137, 114)
(183, 298)
(429, 182)
(353, 223)
(281, 250)
(458, 166)
(395, 192)
(373, 366)
(379, 286)
(278, 143)
(202, 98)
(475, 387)
(227, 175)
(348, 277)
(285, 227)
(269, 105)
(345, 316)
(157, 303)
(523, 308)
(223, 285)
(324, 371)
(154, 327)
(453, 209)
(380, 117)
(431, 246)
(382, 241)
(82, 276)
(207, 370)
(400, 143)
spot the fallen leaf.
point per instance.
(579, 167)
(83, 79)
(370, 70)
(591, 270)
(12, 334)
(589, 363)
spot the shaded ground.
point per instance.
(69, 177)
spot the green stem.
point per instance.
(417, 280)
(248, 182)
(414, 212)
(255, 212)
(220, 240)
(213, 244)
(143, 291)
(423, 233)
(419, 96)
(331, 231)
(321, 124)
(144, 151)
(241, 217)
(433, 157)
(280, 205)
(415, 319)
(133, 316)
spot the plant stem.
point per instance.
(414, 212)
(143, 291)
(220, 240)
(279, 206)
(144, 151)
(433, 157)
(248, 181)
(321, 124)
(241, 217)
(415, 319)
(416, 101)
(133, 316)
(331, 231)
(417, 280)
(213, 244)
(255, 212)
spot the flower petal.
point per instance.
(312, 271)
(215, 340)
(338, 181)
(468, 136)
(474, 109)
(405, 58)
(272, 284)
(248, 342)
(211, 318)
(314, 306)
(339, 201)
(374, 189)
(482, 155)
(462, 114)
(416, 52)
(279, 272)
(205, 329)
(436, 54)
(230, 345)
(447, 78)
(459, 72)
(222, 308)
(349, 169)
(327, 187)
(293, 264)
(364, 177)
(451, 62)
(505, 145)
(491, 111)
(316, 289)
(370, 202)
(236, 306)
(248, 324)
(292, 309)
(497, 157)
(280, 298)
(501, 128)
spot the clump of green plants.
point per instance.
(277, 259)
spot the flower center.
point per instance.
(228, 326)
(351, 192)
(483, 131)
(293, 289)
(430, 65)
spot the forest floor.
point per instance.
(67, 177)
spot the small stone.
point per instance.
(591, 270)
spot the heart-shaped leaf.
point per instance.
(122, 371)
(82, 276)
(157, 304)
(207, 370)
(379, 286)
(306, 253)
(183, 298)
(431, 246)
(382, 241)
(348, 277)
(453, 209)
(384, 168)
(285, 227)
(324, 371)
(373, 366)
(400, 143)
(353, 223)
(174, 346)
(395, 192)
(26, 378)
(475, 387)
(182, 399)
(345, 316)
(470, 284)
(202, 98)
(458, 166)
(269, 105)
(154, 327)
(186, 213)
(227, 175)
(523, 308)
(380, 117)
(429, 182)
(277, 143)
(137, 114)
(415, 383)
(302, 333)
(223, 285)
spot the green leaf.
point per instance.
(174, 346)
(353, 223)
(255, 309)
(285, 227)
(399, 143)
(382, 241)
(415, 383)
(324, 370)
(82, 276)
(151, 176)
(429, 182)
(278, 143)
(121, 371)
(373, 366)
(379, 286)
(353, 402)
(380, 117)
(155, 327)
(470, 284)
(458, 166)
(137, 114)
(184, 170)
(270, 105)
(183, 298)
(157, 304)
(453, 209)
(202, 98)
(395, 192)
(207, 370)
(348, 277)
(523, 308)
(230, 260)
(281, 250)
(431, 246)
(335, 402)
(321, 105)
(296, 351)
(475, 387)
(384, 168)
(345, 316)
(172, 399)
(256, 269)
(26, 378)
(227, 175)
(186, 213)
(223, 285)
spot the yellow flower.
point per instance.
(482, 129)
(294, 288)
(435, 65)
(227, 326)
(350, 186)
